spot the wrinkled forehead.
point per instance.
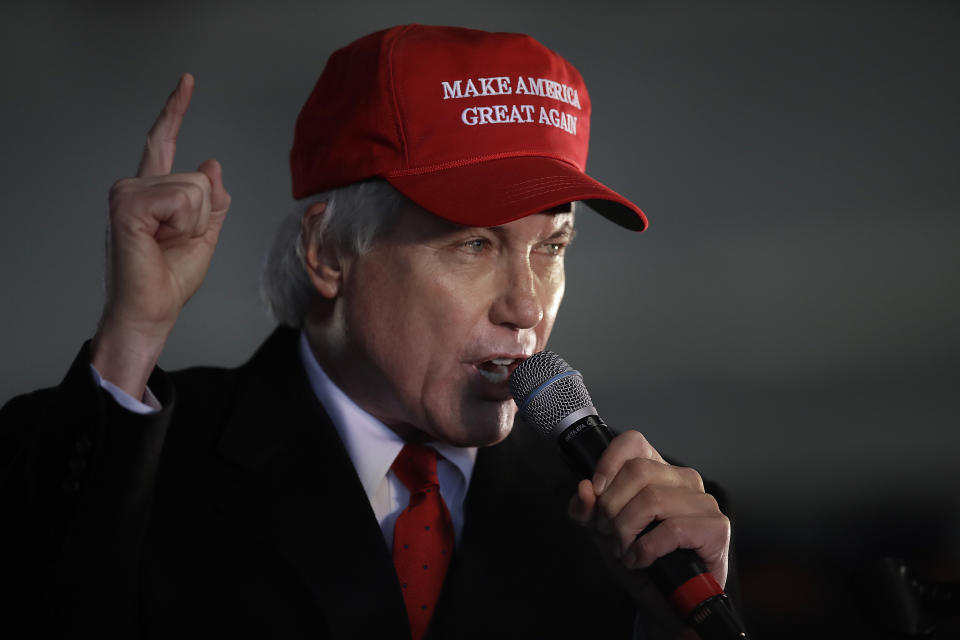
(415, 224)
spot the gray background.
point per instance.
(788, 325)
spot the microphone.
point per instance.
(554, 401)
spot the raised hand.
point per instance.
(163, 230)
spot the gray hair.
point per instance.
(356, 216)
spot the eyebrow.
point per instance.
(566, 230)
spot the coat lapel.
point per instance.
(510, 503)
(522, 560)
(301, 495)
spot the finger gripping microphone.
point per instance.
(554, 401)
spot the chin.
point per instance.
(493, 427)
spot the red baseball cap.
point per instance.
(478, 128)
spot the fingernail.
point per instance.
(599, 483)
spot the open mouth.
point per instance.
(497, 370)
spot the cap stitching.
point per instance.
(551, 189)
(539, 181)
(397, 120)
(533, 193)
(452, 164)
(549, 185)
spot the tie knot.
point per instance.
(416, 467)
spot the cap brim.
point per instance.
(498, 191)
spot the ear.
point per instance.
(323, 262)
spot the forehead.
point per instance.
(416, 224)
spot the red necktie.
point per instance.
(422, 537)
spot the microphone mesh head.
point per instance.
(555, 401)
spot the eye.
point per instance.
(554, 248)
(476, 245)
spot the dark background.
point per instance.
(788, 325)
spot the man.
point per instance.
(359, 477)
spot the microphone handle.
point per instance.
(680, 575)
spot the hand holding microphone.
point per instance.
(656, 514)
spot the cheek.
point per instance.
(415, 327)
(384, 320)
(553, 289)
(452, 315)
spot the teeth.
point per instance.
(496, 370)
(498, 376)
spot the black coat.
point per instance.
(236, 511)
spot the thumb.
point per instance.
(219, 198)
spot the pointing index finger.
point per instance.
(161, 145)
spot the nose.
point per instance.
(517, 304)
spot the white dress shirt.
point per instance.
(372, 447)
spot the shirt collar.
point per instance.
(371, 445)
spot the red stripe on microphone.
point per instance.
(694, 591)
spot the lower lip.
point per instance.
(499, 376)
(498, 383)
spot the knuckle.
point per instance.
(115, 200)
(201, 191)
(673, 528)
(652, 498)
(202, 180)
(635, 438)
(637, 467)
(724, 523)
(642, 444)
(120, 198)
(716, 539)
(691, 477)
(121, 185)
(712, 503)
(184, 198)
(194, 192)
